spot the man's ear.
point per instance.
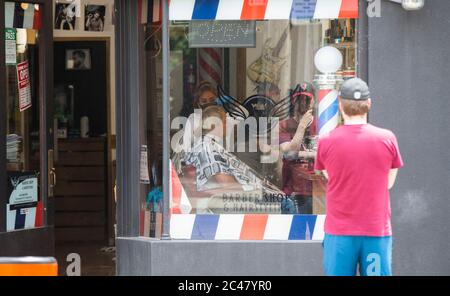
(370, 103)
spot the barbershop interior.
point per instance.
(239, 93)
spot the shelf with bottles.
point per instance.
(341, 31)
(343, 45)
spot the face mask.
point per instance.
(216, 102)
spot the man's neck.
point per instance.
(355, 120)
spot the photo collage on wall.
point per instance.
(71, 16)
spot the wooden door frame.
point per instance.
(110, 205)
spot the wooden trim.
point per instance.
(82, 204)
(86, 158)
(80, 219)
(81, 188)
(77, 234)
(46, 102)
(84, 38)
(241, 71)
(110, 204)
(81, 173)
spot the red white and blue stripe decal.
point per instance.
(24, 217)
(26, 16)
(247, 227)
(150, 11)
(261, 9)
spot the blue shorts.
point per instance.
(342, 255)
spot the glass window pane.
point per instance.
(151, 135)
(245, 117)
(24, 205)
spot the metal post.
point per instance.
(3, 198)
(127, 118)
(166, 119)
(363, 42)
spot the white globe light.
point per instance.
(328, 59)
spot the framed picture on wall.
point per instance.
(65, 17)
(94, 18)
(78, 59)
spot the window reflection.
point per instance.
(248, 145)
(244, 115)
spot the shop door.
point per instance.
(26, 128)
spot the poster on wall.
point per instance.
(303, 9)
(65, 16)
(23, 209)
(23, 82)
(144, 175)
(10, 46)
(95, 18)
(22, 188)
(78, 59)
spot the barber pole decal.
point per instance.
(179, 202)
(22, 15)
(247, 227)
(150, 11)
(261, 9)
(210, 65)
(328, 110)
(24, 217)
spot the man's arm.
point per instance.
(392, 177)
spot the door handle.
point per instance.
(51, 173)
(52, 179)
(55, 140)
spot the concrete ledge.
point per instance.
(144, 256)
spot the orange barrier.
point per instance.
(28, 266)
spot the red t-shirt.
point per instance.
(358, 159)
(291, 183)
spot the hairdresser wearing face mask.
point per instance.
(294, 134)
(205, 95)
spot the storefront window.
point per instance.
(248, 100)
(24, 203)
(245, 116)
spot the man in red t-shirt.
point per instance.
(361, 163)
